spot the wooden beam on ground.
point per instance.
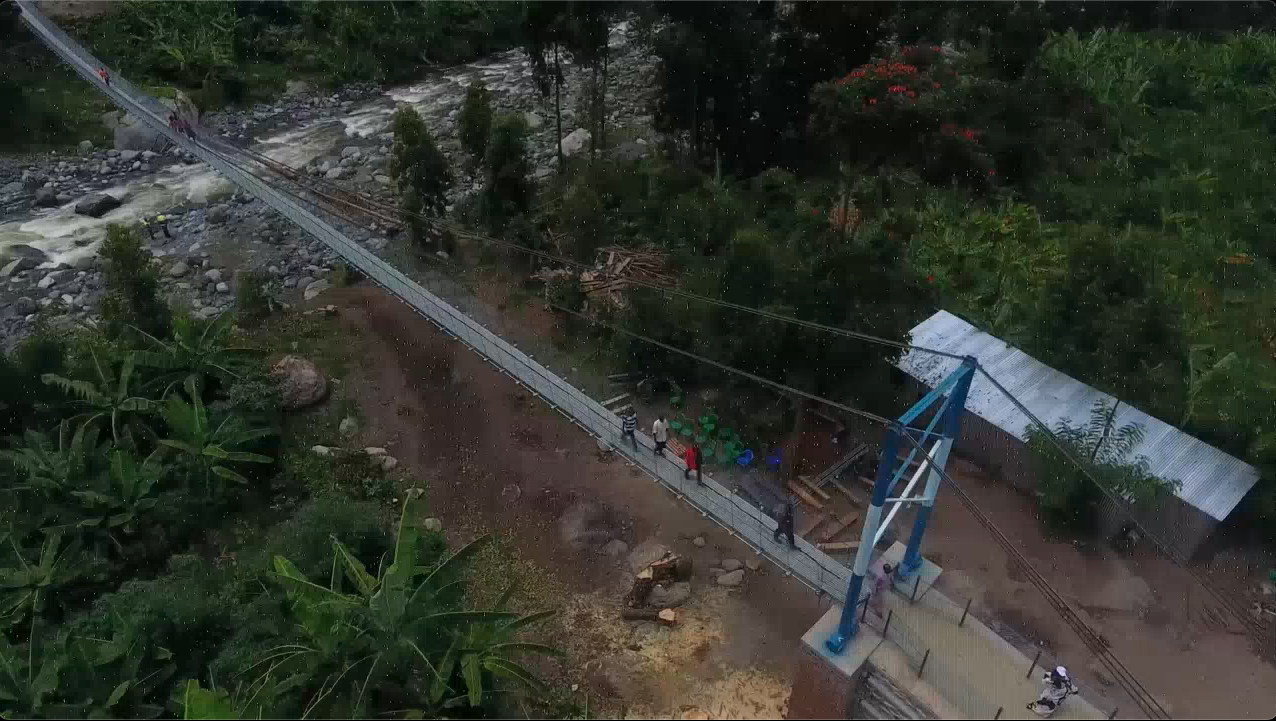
(813, 524)
(806, 497)
(617, 399)
(817, 491)
(839, 546)
(866, 481)
(842, 524)
(855, 497)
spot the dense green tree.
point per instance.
(475, 122)
(419, 170)
(132, 297)
(507, 189)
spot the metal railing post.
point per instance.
(1033, 667)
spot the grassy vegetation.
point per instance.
(173, 547)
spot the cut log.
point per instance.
(666, 616)
(813, 524)
(866, 481)
(842, 524)
(806, 497)
(840, 546)
(810, 486)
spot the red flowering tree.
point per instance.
(904, 110)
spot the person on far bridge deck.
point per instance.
(660, 433)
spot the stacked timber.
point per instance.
(617, 266)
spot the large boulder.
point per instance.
(672, 597)
(96, 205)
(22, 250)
(46, 198)
(300, 382)
(12, 188)
(111, 119)
(296, 87)
(133, 134)
(576, 141)
(17, 266)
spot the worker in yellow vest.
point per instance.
(159, 220)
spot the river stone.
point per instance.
(24, 306)
(133, 134)
(614, 548)
(178, 270)
(222, 287)
(348, 426)
(217, 214)
(731, 578)
(45, 198)
(314, 289)
(22, 250)
(96, 205)
(349, 151)
(86, 146)
(335, 174)
(432, 525)
(11, 188)
(576, 141)
(16, 266)
(214, 275)
(300, 382)
(129, 156)
(729, 564)
(296, 87)
(533, 121)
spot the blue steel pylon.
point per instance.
(945, 426)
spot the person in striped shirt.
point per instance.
(629, 424)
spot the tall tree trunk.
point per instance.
(595, 136)
(602, 103)
(558, 109)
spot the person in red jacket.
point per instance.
(106, 77)
(691, 457)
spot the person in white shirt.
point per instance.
(660, 432)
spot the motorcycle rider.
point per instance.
(1058, 687)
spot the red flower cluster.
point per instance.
(953, 130)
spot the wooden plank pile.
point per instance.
(617, 266)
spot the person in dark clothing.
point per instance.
(628, 427)
(784, 515)
(150, 229)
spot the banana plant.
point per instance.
(25, 588)
(56, 471)
(119, 677)
(108, 398)
(123, 497)
(209, 446)
(194, 353)
(30, 676)
(363, 631)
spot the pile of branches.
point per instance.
(616, 266)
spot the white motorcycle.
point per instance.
(1058, 687)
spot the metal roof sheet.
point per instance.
(1213, 481)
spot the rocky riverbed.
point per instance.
(55, 208)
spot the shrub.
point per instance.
(475, 122)
(507, 191)
(253, 301)
(1069, 501)
(132, 286)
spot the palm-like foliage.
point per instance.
(30, 676)
(194, 353)
(24, 588)
(108, 397)
(116, 502)
(210, 446)
(56, 471)
(368, 635)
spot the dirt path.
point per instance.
(1145, 607)
(493, 457)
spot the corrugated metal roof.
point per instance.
(1213, 481)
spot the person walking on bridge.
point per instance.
(105, 75)
(691, 457)
(784, 521)
(660, 433)
(629, 426)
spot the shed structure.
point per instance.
(994, 432)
